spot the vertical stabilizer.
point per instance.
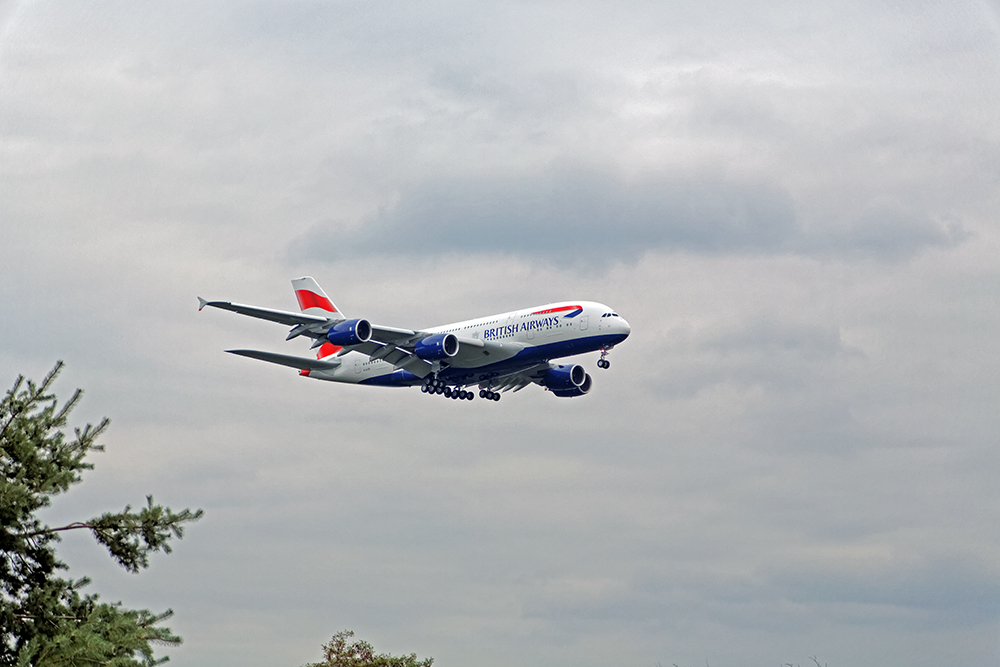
(313, 300)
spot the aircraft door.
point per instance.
(584, 322)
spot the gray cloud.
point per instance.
(882, 232)
(953, 590)
(565, 213)
(569, 213)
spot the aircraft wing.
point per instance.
(302, 363)
(394, 336)
(518, 380)
(391, 344)
(472, 353)
(281, 316)
(313, 326)
(391, 353)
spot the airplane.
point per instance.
(498, 353)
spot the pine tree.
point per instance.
(46, 620)
(339, 653)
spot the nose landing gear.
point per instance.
(603, 362)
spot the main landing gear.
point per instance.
(435, 386)
(603, 362)
(489, 394)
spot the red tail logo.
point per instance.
(309, 299)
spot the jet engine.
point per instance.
(436, 347)
(564, 378)
(350, 332)
(575, 391)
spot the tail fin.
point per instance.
(313, 300)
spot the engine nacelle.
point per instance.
(564, 378)
(437, 347)
(575, 391)
(350, 332)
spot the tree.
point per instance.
(46, 620)
(338, 653)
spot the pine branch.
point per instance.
(48, 531)
(131, 536)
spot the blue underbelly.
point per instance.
(527, 357)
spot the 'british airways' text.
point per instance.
(511, 329)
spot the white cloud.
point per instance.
(793, 205)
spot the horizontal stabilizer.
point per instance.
(302, 363)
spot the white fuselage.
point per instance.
(516, 339)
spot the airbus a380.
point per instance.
(499, 353)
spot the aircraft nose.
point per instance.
(626, 329)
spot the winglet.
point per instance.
(201, 303)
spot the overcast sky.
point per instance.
(794, 204)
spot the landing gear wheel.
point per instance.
(482, 393)
(496, 396)
(469, 396)
(447, 392)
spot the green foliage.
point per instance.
(339, 653)
(104, 635)
(44, 620)
(130, 536)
